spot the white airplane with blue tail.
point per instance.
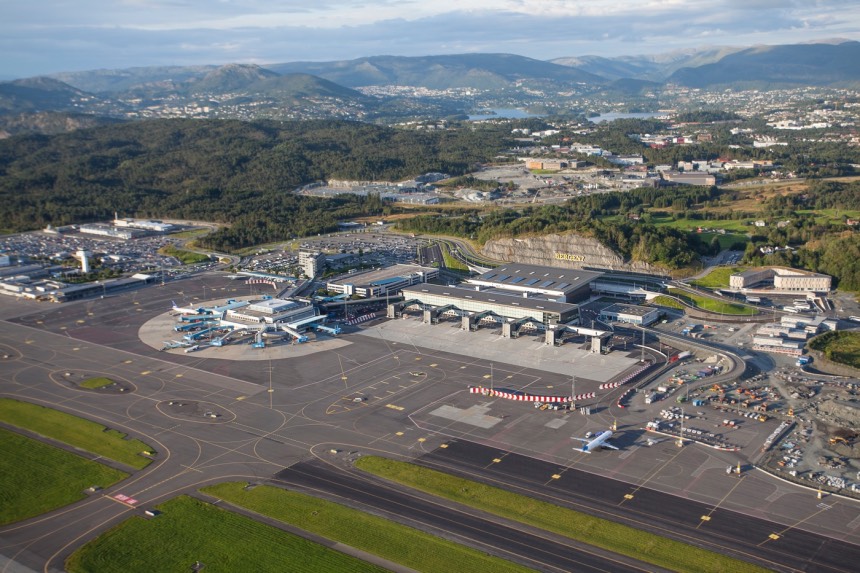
(596, 442)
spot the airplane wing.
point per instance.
(583, 440)
(608, 445)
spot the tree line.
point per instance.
(241, 173)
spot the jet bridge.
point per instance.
(431, 316)
(473, 321)
(598, 337)
(395, 309)
(512, 329)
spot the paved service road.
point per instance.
(213, 419)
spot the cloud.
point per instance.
(86, 34)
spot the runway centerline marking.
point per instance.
(707, 517)
(779, 534)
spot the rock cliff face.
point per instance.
(568, 251)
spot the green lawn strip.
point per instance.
(185, 257)
(712, 305)
(77, 432)
(667, 301)
(450, 261)
(717, 278)
(36, 478)
(387, 539)
(615, 537)
(840, 346)
(189, 530)
(93, 383)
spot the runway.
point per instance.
(276, 415)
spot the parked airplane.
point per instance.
(597, 442)
(187, 309)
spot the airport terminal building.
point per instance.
(382, 282)
(559, 285)
(499, 303)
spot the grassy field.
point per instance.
(712, 305)
(376, 535)
(77, 432)
(36, 478)
(609, 535)
(717, 278)
(727, 241)
(668, 301)
(740, 226)
(450, 262)
(184, 257)
(189, 530)
(842, 347)
(93, 383)
(826, 216)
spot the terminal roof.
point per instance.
(490, 297)
(538, 278)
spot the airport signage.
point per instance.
(569, 257)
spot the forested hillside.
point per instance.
(223, 171)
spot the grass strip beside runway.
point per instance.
(74, 431)
(189, 530)
(36, 478)
(392, 541)
(615, 537)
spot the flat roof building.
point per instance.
(503, 304)
(630, 314)
(781, 279)
(382, 282)
(560, 285)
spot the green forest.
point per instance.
(245, 174)
(242, 173)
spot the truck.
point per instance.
(802, 360)
(679, 356)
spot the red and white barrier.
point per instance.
(262, 282)
(518, 396)
(625, 380)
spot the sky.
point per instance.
(46, 36)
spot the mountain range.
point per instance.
(328, 86)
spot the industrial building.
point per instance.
(780, 279)
(630, 314)
(556, 284)
(145, 225)
(382, 282)
(110, 231)
(502, 304)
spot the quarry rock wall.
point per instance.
(568, 251)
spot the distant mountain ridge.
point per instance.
(789, 65)
(827, 63)
(481, 71)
